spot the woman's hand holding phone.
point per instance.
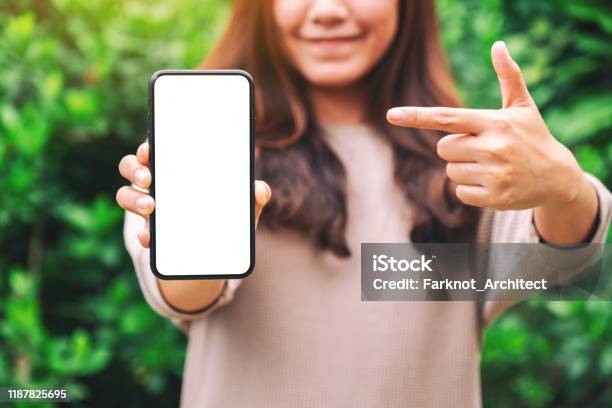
(135, 168)
(186, 295)
(507, 159)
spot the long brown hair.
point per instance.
(306, 177)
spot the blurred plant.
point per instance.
(73, 77)
(545, 353)
(564, 49)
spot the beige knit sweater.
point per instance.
(296, 334)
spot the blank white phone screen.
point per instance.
(201, 134)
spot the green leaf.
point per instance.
(592, 161)
(533, 391)
(20, 283)
(26, 129)
(582, 120)
(77, 355)
(20, 28)
(82, 105)
(605, 363)
(595, 12)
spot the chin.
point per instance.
(337, 76)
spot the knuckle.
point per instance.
(502, 122)
(507, 199)
(415, 115)
(444, 117)
(499, 204)
(501, 149)
(503, 179)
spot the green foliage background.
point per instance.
(73, 78)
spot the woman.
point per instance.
(345, 171)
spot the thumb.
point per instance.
(263, 193)
(513, 88)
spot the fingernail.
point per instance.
(396, 114)
(268, 193)
(140, 175)
(143, 203)
(261, 193)
(505, 47)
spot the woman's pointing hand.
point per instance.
(505, 158)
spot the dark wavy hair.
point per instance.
(306, 177)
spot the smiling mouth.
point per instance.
(331, 41)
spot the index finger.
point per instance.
(452, 120)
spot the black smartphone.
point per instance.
(201, 138)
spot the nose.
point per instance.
(328, 12)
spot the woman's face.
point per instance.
(334, 43)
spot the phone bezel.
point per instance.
(151, 139)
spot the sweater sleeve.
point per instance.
(519, 227)
(148, 282)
